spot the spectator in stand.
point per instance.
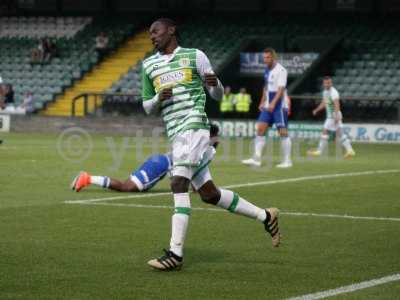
(102, 44)
(9, 95)
(53, 51)
(36, 56)
(2, 94)
(40, 48)
(46, 50)
(27, 105)
(40, 54)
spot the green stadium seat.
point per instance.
(393, 81)
(353, 72)
(341, 72)
(359, 79)
(372, 64)
(388, 88)
(377, 73)
(390, 57)
(376, 88)
(57, 90)
(47, 97)
(340, 87)
(353, 87)
(358, 94)
(388, 72)
(355, 56)
(348, 64)
(382, 80)
(38, 105)
(359, 64)
(383, 93)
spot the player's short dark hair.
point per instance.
(166, 21)
(214, 130)
(170, 23)
(327, 77)
(272, 51)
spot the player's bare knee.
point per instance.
(261, 128)
(283, 132)
(261, 131)
(179, 184)
(129, 187)
(211, 198)
(126, 189)
(209, 193)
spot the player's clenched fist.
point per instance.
(165, 94)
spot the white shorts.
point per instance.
(332, 125)
(188, 149)
(202, 173)
(201, 178)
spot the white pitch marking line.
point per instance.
(314, 177)
(126, 196)
(349, 288)
(299, 214)
(240, 185)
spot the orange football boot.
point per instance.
(80, 181)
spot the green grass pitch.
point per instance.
(53, 250)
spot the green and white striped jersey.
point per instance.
(328, 97)
(183, 71)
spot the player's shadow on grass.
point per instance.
(208, 255)
(166, 190)
(204, 255)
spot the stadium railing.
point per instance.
(95, 104)
(365, 109)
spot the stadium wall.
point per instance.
(106, 125)
(358, 132)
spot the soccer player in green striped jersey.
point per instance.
(333, 123)
(173, 81)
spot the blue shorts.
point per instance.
(151, 171)
(279, 117)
